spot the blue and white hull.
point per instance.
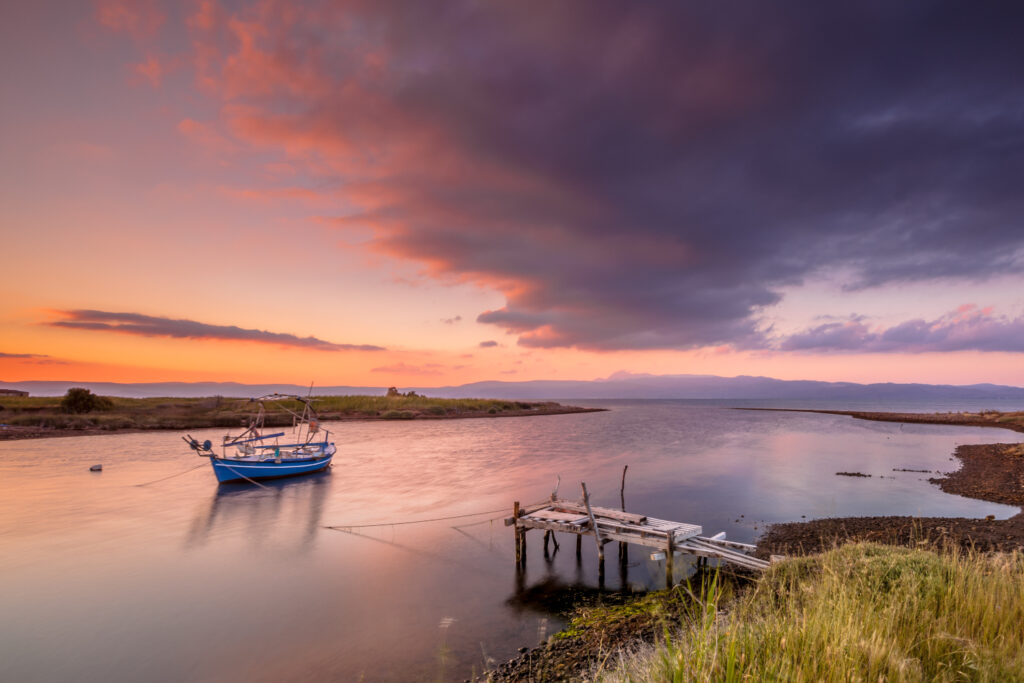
(238, 469)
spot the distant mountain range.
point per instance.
(619, 385)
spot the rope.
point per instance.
(463, 526)
(251, 481)
(344, 527)
(202, 464)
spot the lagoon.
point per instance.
(109, 580)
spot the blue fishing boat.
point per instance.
(254, 454)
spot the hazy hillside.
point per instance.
(621, 385)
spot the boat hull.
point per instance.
(228, 470)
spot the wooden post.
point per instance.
(593, 523)
(670, 551)
(623, 552)
(622, 489)
(623, 568)
(547, 535)
(579, 547)
(518, 533)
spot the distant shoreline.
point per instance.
(42, 417)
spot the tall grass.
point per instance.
(862, 612)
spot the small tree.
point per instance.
(393, 392)
(79, 400)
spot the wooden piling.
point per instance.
(670, 551)
(518, 533)
(593, 524)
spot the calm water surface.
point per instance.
(106, 580)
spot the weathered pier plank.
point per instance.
(607, 525)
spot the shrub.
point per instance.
(398, 415)
(79, 400)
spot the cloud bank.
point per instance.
(151, 326)
(969, 328)
(642, 175)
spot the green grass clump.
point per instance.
(861, 612)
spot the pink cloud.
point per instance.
(207, 136)
(406, 369)
(139, 18)
(151, 69)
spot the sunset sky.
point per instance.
(430, 193)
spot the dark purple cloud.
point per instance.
(490, 343)
(22, 355)
(967, 329)
(151, 326)
(652, 175)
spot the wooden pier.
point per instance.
(606, 525)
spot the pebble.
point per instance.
(96, 468)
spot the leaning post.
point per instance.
(593, 523)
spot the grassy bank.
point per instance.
(984, 418)
(860, 612)
(44, 416)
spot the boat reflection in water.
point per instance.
(293, 507)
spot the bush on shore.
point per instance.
(78, 400)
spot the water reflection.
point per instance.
(252, 512)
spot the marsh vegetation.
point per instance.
(80, 411)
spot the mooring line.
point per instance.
(342, 527)
(463, 526)
(251, 481)
(156, 481)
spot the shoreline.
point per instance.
(992, 418)
(990, 472)
(22, 432)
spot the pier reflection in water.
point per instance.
(106, 580)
